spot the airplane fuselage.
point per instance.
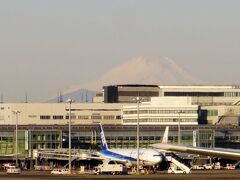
(147, 157)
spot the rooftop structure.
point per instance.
(201, 95)
(204, 95)
(162, 111)
(127, 93)
(57, 113)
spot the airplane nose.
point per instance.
(158, 158)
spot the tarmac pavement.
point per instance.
(195, 175)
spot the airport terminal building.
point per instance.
(201, 95)
(195, 108)
(158, 111)
(218, 104)
(162, 111)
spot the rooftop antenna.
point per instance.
(92, 95)
(26, 97)
(60, 98)
(86, 96)
(1, 98)
(81, 96)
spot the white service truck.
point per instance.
(60, 171)
(13, 170)
(174, 170)
(109, 169)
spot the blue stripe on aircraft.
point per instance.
(117, 156)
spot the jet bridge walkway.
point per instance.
(63, 154)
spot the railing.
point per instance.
(63, 153)
(179, 162)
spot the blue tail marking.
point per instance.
(104, 145)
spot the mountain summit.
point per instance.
(142, 70)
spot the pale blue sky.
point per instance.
(49, 45)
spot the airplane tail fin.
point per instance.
(104, 145)
(165, 136)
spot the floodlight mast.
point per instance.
(139, 100)
(16, 112)
(179, 128)
(70, 101)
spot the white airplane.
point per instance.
(128, 157)
(147, 157)
(232, 154)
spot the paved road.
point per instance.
(196, 175)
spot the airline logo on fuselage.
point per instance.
(103, 139)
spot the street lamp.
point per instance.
(139, 100)
(179, 130)
(16, 112)
(70, 101)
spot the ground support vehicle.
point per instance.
(109, 169)
(60, 171)
(229, 166)
(197, 167)
(208, 166)
(42, 168)
(217, 165)
(13, 170)
(173, 170)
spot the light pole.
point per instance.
(70, 101)
(179, 129)
(139, 100)
(16, 112)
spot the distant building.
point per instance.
(128, 93)
(201, 95)
(162, 111)
(117, 105)
(221, 115)
(204, 95)
(98, 98)
(58, 113)
(213, 100)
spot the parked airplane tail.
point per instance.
(104, 145)
(165, 136)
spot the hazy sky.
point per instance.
(49, 45)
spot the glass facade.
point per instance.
(123, 139)
(117, 137)
(212, 112)
(232, 94)
(45, 139)
(8, 142)
(130, 111)
(194, 94)
(228, 139)
(159, 120)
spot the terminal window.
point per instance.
(45, 117)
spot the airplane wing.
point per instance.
(8, 155)
(84, 157)
(214, 152)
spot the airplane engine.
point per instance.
(128, 164)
